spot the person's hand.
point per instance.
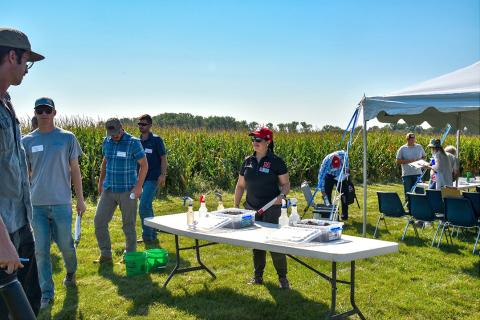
(161, 180)
(81, 207)
(9, 259)
(137, 191)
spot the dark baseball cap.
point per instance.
(16, 39)
(113, 126)
(44, 101)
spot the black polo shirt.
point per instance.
(261, 178)
(154, 149)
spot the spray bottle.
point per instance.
(294, 217)
(283, 220)
(220, 202)
(202, 211)
(190, 215)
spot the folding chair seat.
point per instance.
(436, 201)
(389, 205)
(474, 198)
(459, 213)
(421, 210)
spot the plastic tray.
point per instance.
(239, 218)
(211, 222)
(294, 234)
(329, 230)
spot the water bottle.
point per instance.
(190, 215)
(132, 196)
(202, 211)
(294, 217)
(325, 199)
(283, 220)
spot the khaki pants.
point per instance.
(106, 207)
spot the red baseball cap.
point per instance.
(263, 133)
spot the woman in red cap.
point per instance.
(264, 175)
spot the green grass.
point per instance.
(419, 282)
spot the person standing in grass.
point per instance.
(16, 240)
(442, 166)
(408, 153)
(119, 185)
(52, 157)
(265, 176)
(156, 175)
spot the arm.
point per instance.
(77, 185)
(103, 169)
(163, 174)
(239, 189)
(142, 173)
(8, 254)
(284, 185)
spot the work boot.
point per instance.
(69, 280)
(103, 259)
(284, 284)
(256, 280)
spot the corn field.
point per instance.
(200, 161)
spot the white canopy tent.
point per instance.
(451, 98)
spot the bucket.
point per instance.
(156, 259)
(135, 263)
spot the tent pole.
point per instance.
(458, 144)
(364, 230)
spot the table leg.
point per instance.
(177, 268)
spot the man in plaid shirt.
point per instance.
(119, 185)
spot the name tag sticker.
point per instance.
(264, 170)
(37, 148)
(148, 150)
(122, 154)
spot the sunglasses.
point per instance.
(143, 124)
(257, 139)
(46, 110)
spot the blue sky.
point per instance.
(264, 61)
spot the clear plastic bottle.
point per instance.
(283, 220)
(294, 217)
(220, 202)
(190, 215)
(203, 210)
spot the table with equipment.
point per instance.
(347, 249)
(462, 184)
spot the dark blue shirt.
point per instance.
(154, 149)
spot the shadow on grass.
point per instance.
(218, 303)
(473, 271)
(358, 227)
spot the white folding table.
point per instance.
(347, 249)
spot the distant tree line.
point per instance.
(190, 121)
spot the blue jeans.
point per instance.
(146, 210)
(52, 223)
(408, 182)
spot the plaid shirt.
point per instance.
(326, 168)
(122, 157)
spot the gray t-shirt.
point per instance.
(48, 157)
(409, 153)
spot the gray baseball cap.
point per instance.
(113, 126)
(44, 101)
(16, 39)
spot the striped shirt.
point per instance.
(327, 168)
(122, 157)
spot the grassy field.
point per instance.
(419, 282)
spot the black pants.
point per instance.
(260, 256)
(28, 276)
(331, 183)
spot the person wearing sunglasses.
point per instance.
(16, 56)
(53, 159)
(156, 175)
(408, 153)
(120, 184)
(264, 176)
